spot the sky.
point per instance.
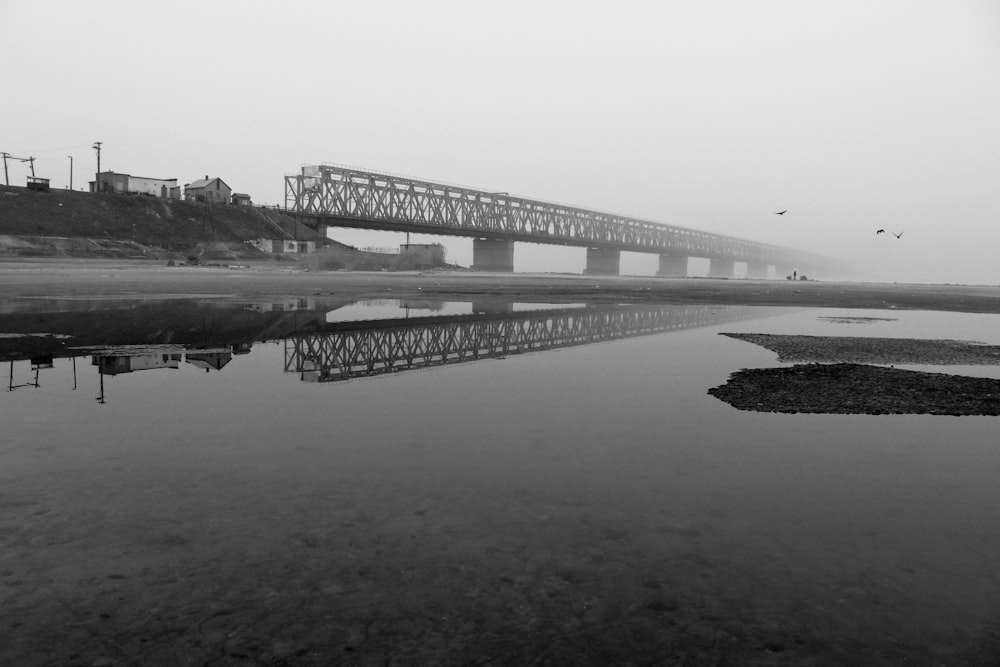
(854, 115)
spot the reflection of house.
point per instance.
(211, 190)
(242, 348)
(286, 305)
(115, 364)
(284, 245)
(213, 359)
(42, 362)
(109, 181)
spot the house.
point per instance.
(110, 181)
(241, 199)
(210, 190)
(265, 244)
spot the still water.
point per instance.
(312, 482)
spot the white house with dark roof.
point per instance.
(211, 190)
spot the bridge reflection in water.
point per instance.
(346, 350)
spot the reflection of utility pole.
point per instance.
(10, 384)
(97, 147)
(74, 373)
(100, 399)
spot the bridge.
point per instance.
(347, 350)
(329, 195)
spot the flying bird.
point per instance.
(897, 235)
(881, 231)
(781, 212)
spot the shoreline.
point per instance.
(69, 278)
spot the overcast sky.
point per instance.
(853, 115)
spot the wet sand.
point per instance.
(101, 278)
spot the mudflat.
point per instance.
(144, 279)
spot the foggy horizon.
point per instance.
(852, 116)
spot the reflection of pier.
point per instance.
(362, 349)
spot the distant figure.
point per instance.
(881, 231)
(781, 212)
(897, 235)
(795, 275)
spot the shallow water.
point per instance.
(572, 495)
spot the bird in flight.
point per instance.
(897, 235)
(781, 212)
(881, 231)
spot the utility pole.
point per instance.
(30, 159)
(97, 147)
(70, 171)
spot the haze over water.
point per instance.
(449, 483)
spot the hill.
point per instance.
(77, 224)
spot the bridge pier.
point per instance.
(603, 262)
(493, 255)
(757, 271)
(673, 266)
(721, 268)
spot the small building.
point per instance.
(209, 359)
(210, 190)
(126, 184)
(290, 246)
(423, 254)
(241, 199)
(37, 183)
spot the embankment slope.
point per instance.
(77, 224)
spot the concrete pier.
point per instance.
(493, 255)
(756, 271)
(603, 262)
(721, 268)
(672, 266)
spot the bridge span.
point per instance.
(332, 195)
(332, 352)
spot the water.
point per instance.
(374, 493)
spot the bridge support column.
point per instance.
(721, 268)
(673, 266)
(493, 255)
(757, 271)
(603, 262)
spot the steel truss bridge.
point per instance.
(342, 351)
(334, 195)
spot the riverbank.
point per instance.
(67, 278)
